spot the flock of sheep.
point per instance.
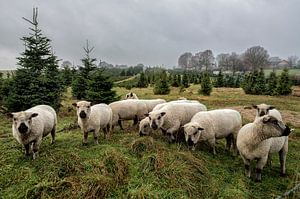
(266, 135)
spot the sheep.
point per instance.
(255, 141)
(144, 126)
(264, 109)
(93, 118)
(172, 116)
(130, 109)
(212, 125)
(131, 95)
(152, 103)
(30, 126)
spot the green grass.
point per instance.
(127, 166)
(293, 72)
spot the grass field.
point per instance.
(293, 72)
(127, 166)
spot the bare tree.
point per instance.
(184, 61)
(256, 57)
(223, 61)
(206, 59)
(292, 60)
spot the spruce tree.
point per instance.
(142, 83)
(82, 77)
(174, 82)
(272, 84)
(284, 83)
(185, 80)
(179, 80)
(161, 86)
(220, 80)
(259, 87)
(100, 88)
(206, 86)
(37, 80)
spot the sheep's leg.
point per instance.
(85, 137)
(135, 120)
(228, 142)
(247, 166)
(27, 147)
(120, 124)
(35, 147)
(259, 166)
(212, 143)
(53, 135)
(282, 158)
(269, 162)
(95, 133)
(235, 150)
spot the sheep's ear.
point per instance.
(11, 115)
(74, 104)
(162, 113)
(92, 103)
(147, 114)
(131, 95)
(266, 119)
(271, 107)
(34, 115)
(254, 106)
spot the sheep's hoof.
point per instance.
(84, 143)
(52, 142)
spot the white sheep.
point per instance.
(30, 126)
(130, 109)
(172, 116)
(144, 126)
(131, 95)
(255, 141)
(151, 103)
(93, 118)
(212, 125)
(264, 109)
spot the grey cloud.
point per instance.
(153, 32)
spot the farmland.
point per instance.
(128, 166)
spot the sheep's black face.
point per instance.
(286, 131)
(23, 128)
(262, 113)
(82, 114)
(154, 125)
(190, 142)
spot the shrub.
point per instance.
(284, 83)
(162, 86)
(206, 86)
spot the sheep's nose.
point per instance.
(23, 128)
(154, 126)
(141, 134)
(82, 114)
(190, 142)
(262, 113)
(286, 131)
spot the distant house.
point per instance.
(283, 64)
(274, 61)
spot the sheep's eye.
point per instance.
(145, 126)
(195, 133)
(275, 122)
(158, 117)
(77, 106)
(15, 119)
(88, 107)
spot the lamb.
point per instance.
(131, 95)
(130, 109)
(264, 109)
(255, 141)
(30, 126)
(173, 116)
(93, 118)
(144, 126)
(212, 125)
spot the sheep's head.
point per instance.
(83, 109)
(130, 96)
(271, 127)
(22, 121)
(262, 109)
(156, 119)
(144, 127)
(192, 133)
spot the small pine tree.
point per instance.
(260, 84)
(220, 80)
(80, 83)
(179, 80)
(284, 83)
(100, 88)
(185, 80)
(206, 86)
(272, 84)
(174, 82)
(161, 86)
(142, 83)
(37, 81)
(238, 80)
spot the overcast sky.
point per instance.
(152, 32)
